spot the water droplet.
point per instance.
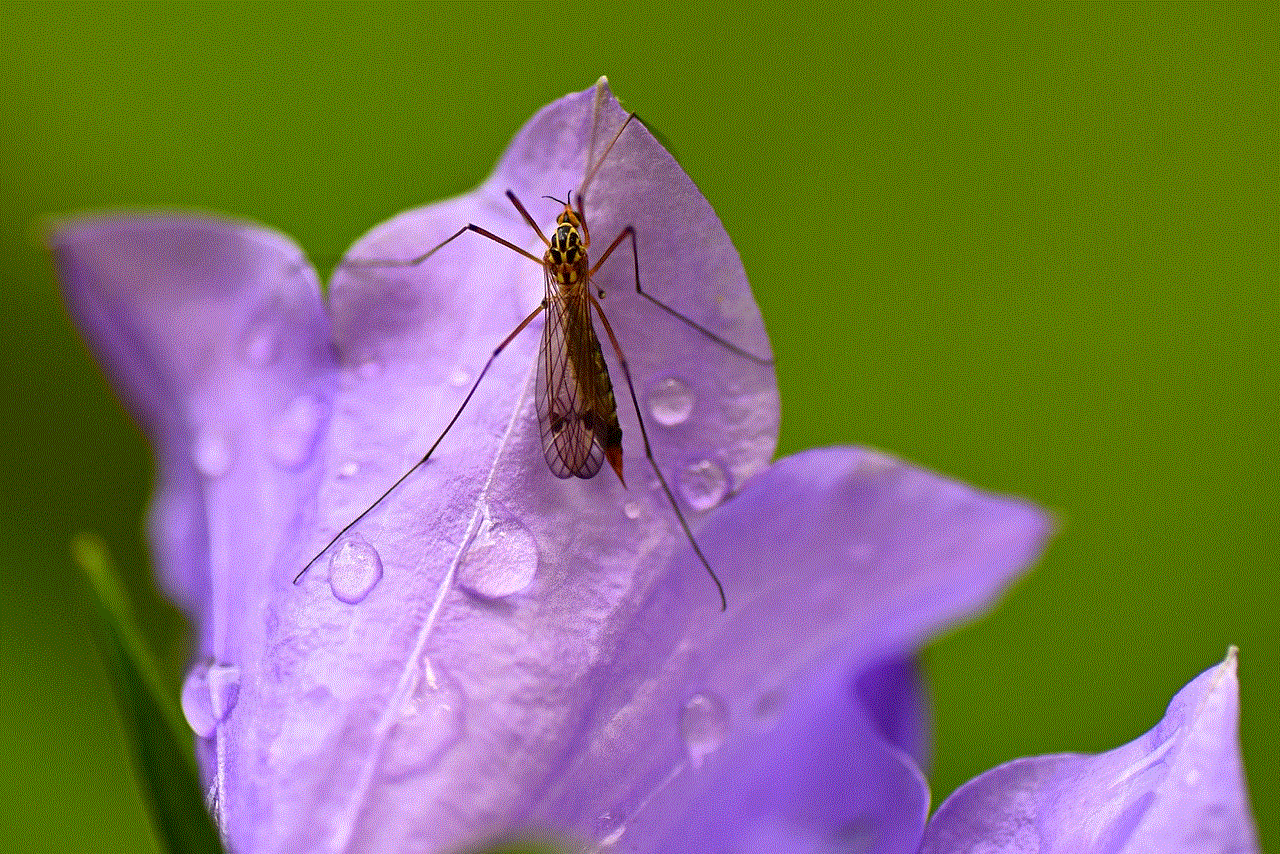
(295, 434)
(196, 703)
(369, 368)
(608, 828)
(631, 509)
(459, 377)
(703, 484)
(261, 347)
(430, 722)
(209, 693)
(768, 708)
(211, 453)
(501, 560)
(224, 689)
(613, 838)
(348, 469)
(354, 570)
(670, 402)
(703, 725)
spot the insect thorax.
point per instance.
(567, 255)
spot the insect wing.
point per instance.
(571, 437)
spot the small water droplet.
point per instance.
(211, 453)
(295, 434)
(768, 708)
(354, 570)
(703, 484)
(613, 838)
(703, 725)
(224, 689)
(631, 509)
(502, 559)
(261, 347)
(196, 703)
(369, 368)
(430, 722)
(348, 469)
(608, 828)
(209, 693)
(670, 402)
(459, 377)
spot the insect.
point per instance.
(577, 410)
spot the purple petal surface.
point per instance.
(494, 648)
(838, 559)
(1179, 789)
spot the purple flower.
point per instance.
(494, 649)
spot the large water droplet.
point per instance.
(354, 570)
(209, 693)
(430, 722)
(502, 559)
(670, 402)
(295, 433)
(704, 726)
(211, 452)
(196, 704)
(703, 484)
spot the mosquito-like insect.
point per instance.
(577, 412)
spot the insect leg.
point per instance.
(648, 451)
(418, 259)
(439, 439)
(630, 232)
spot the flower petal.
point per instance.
(428, 673)
(210, 329)
(1179, 789)
(835, 560)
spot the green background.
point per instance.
(1033, 250)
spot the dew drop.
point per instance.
(261, 348)
(703, 484)
(348, 469)
(501, 560)
(459, 377)
(429, 724)
(196, 703)
(354, 570)
(768, 708)
(703, 725)
(211, 453)
(295, 434)
(631, 509)
(670, 402)
(209, 693)
(224, 689)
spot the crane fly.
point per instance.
(577, 411)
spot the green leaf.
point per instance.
(162, 742)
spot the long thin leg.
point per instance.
(648, 451)
(439, 439)
(630, 231)
(418, 259)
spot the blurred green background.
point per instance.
(1037, 251)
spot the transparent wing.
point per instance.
(571, 429)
